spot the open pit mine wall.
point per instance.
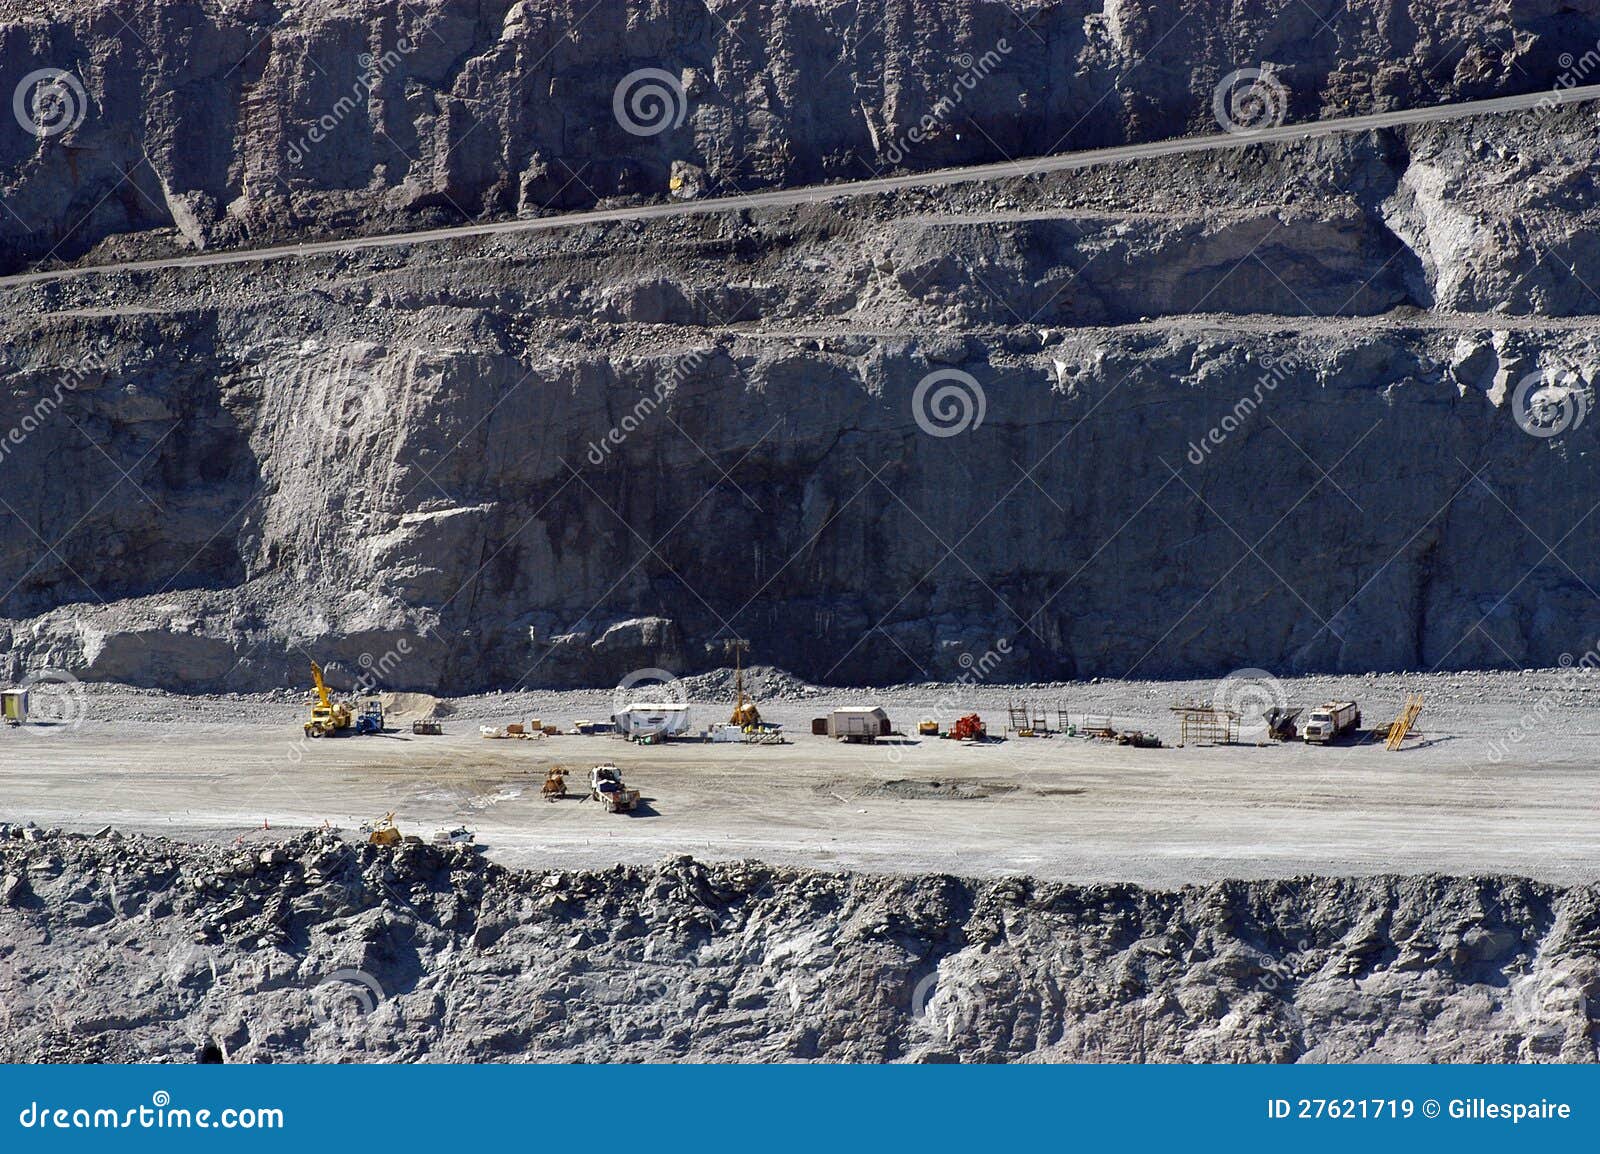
(146, 950)
(557, 459)
(232, 123)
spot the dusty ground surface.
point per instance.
(1482, 788)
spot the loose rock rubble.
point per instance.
(315, 949)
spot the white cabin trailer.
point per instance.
(858, 723)
(652, 719)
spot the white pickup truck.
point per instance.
(1330, 721)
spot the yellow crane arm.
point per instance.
(322, 687)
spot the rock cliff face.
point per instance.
(1256, 408)
(229, 122)
(148, 951)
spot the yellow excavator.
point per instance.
(327, 715)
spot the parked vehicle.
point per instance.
(1330, 721)
(605, 786)
(369, 715)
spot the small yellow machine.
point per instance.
(14, 706)
(327, 715)
(555, 783)
(383, 831)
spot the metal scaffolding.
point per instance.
(1205, 724)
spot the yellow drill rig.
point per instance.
(327, 715)
(745, 713)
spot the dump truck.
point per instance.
(1330, 721)
(605, 786)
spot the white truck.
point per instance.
(1330, 721)
(605, 786)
